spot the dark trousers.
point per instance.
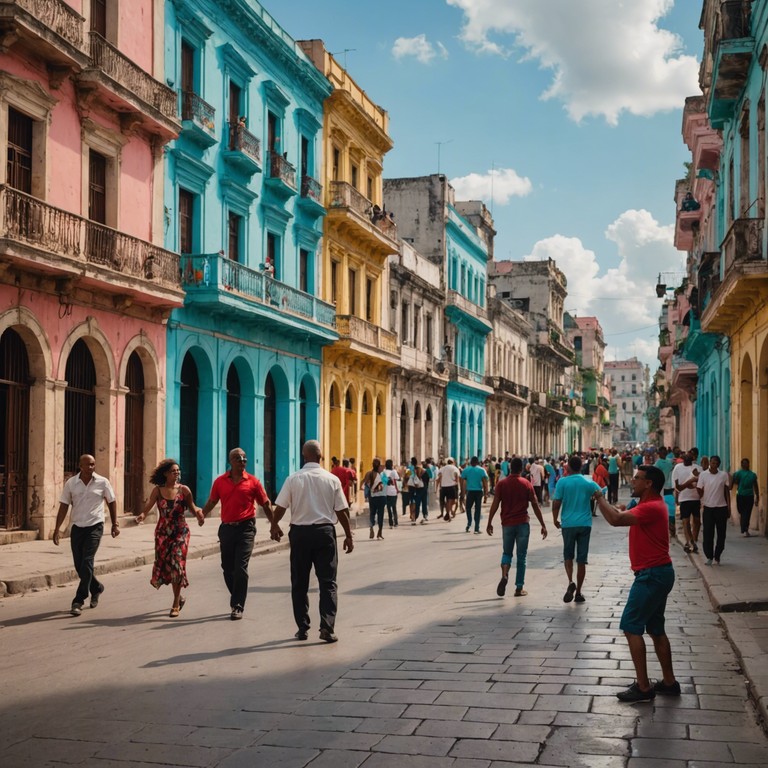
(613, 488)
(406, 497)
(236, 543)
(419, 499)
(376, 507)
(314, 545)
(745, 504)
(85, 543)
(714, 520)
(474, 499)
(392, 510)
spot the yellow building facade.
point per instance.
(358, 238)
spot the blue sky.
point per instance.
(576, 104)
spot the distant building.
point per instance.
(628, 382)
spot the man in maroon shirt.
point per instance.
(654, 579)
(344, 475)
(237, 491)
(514, 494)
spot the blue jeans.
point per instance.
(419, 500)
(520, 535)
(474, 499)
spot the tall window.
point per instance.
(416, 320)
(97, 187)
(352, 292)
(428, 333)
(304, 270)
(235, 224)
(186, 221)
(305, 157)
(273, 254)
(336, 164)
(187, 67)
(355, 174)
(404, 323)
(235, 110)
(369, 298)
(19, 170)
(273, 137)
(334, 282)
(369, 189)
(99, 17)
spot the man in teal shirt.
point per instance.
(666, 465)
(573, 494)
(613, 477)
(747, 494)
(474, 487)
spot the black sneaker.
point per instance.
(95, 598)
(502, 587)
(579, 598)
(667, 690)
(76, 609)
(237, 613)
(301, 634)
(568, 596)
(328, 636)
(634, 693)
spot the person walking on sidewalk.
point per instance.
(654, 579)
(392, 479)
(666, 465)
(573, 494)
(514, 494)
(86, 493)
(536, 473)
(613, 476)
(685, 476)
(447, 484)
(747, 494)
(171, 532)
(474, 487)
(376, 494)
(714, 487)
(317, 502)
(238, 492)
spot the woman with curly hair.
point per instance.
(172, 532)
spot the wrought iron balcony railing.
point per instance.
(194, 108)
(312, 189)
(502, 384)
(242, 140)
(280, 168)
(344, 195)
(458, 371)
(357, 329)
(33, 222)
(743, 242)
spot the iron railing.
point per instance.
(362, 331)
(502, 384)
(280, 168)
(33, 222)
(312, 189)
(126, 73)
(344, 195)
(242, 140)
(743, 242)
(57, 16)
(455, 371)
(216, 271)
(198, 111)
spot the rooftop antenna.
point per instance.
(439, 148)
(344, 53)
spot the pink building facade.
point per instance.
(85, 286)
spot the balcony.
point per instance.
(353, 216)
(688, 217)
(311, 199)
(468, 378)
(461, 311)
(733, 51)
(744, 278)
(37, 237)
(281, 176)
(507, 387)
(552, 342)
(127, 88)
(222, 287)
(685, 376)
(48, 29)
(244, 149)
(367, 337)
(198, 120)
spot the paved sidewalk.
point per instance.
(738, 590)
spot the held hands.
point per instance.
(275, 532)
(140, 518)
(200, 516)
(348, 544)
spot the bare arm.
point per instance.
(343, 516)
(534, 502)
(614, 516)
(150, 503)
(209, 505)
(60, 515)
(112, 507)
(492, 512)
(556, 505)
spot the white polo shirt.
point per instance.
(449, 476)
(714, 485)
(682, 474)
(313, 495)
(87, 500)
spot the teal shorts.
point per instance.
(647, 601)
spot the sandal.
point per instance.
(182, 602)
(174, 612)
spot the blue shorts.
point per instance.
(576, 540)
(669, 500)
(647, 601)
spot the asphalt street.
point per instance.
(432, 669)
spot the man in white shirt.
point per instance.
(714, 487)
(86, 492)
(685, 477)
(317, 503)
(536, 471)
(448, 487)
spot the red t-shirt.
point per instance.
(515, 494)
(345, 476)
(237, 499)
(649, 539)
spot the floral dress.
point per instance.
(171, 542)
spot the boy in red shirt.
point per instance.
(514, 494)
(654, 579)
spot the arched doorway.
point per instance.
(233, 409)
(454, 432)
(747, 382)
(14, 429)
(189, 400)
(463, 435)
(471, 436)
(302, 418)
(270, 436)
(404, 437)
(367, 443)
(417, 444)
(133, 467)
(308, 410)
(79, 407)
(429, 435)
(334, 426)
(480, 437)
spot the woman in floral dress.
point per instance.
(172, 532)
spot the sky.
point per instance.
(563, 116)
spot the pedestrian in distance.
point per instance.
(613, 476)
(344, 474)
(239, 492)
(572, 503)
(448, 478)
(86, 493)
(714, 487)
(316, 500)
(173, 501)
(685, 476)
(474, 487)
(373, 487)
(513, 494)
(747, 494)
(654, 579)
(666, 464)
(391, 478)
(536, 474)
(419, 482)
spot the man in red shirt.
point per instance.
(238, 492)
(514, 494)
(654, 579)
(344, 475)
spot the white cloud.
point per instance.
(418, 47)
(498, 185)
(606, 56)
(623, 298)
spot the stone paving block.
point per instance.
(362, 682)
(94, 762)
(583, 664)
(723, 703)
(434, 712)
(278, 704)
(727, 733)
(534, 717)
(406, 696)
(485, 715)
(345, 694)
(457, 730)
(36, 751)
(645, 762)
(520, 732)
(661, 730)
(419, 666)
(672, 749)
(83, 730)
(438, 746)
(381, 664)
(700, 717)
(562, 703)
(350, 709)
(333, 758)
(749, 753)
(512, 688)
(320, 739)
(317, 723)
(604, 689)
(162, 734)
(164, 754)
(383, 760)
(550, 688)
(274, 757)
(399, 726)
(610, 726)
(509, 751)
(501, 700)
(719, 690)
(455, 685)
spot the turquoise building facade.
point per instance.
(243, 206)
